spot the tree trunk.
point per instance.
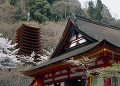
(65, 10)
(85, 73)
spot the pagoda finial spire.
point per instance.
(28, 19)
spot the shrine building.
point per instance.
(81, 37)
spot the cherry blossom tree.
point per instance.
(7, 54)
(9, 59)
(85, 62)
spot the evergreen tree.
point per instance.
(95, 12)
(40, 10)
(98, 11)
(99, 5)
(91, 9)
(97, 15)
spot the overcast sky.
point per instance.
(113, 6)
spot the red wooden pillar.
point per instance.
(68, 82)
(107, 81)
(40, 81)
(53, 77)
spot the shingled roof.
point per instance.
(99, 30)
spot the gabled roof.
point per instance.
(69, 28)
(94, 30)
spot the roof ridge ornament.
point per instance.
(73, 15)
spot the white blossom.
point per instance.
(7, 53)
(9, 59)
(30, 59)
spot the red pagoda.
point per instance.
(28, 39)
(81, 37)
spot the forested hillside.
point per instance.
(51, 16)
(48, 13)
(56, 10)
(43, 10)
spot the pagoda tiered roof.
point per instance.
(28, 39)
